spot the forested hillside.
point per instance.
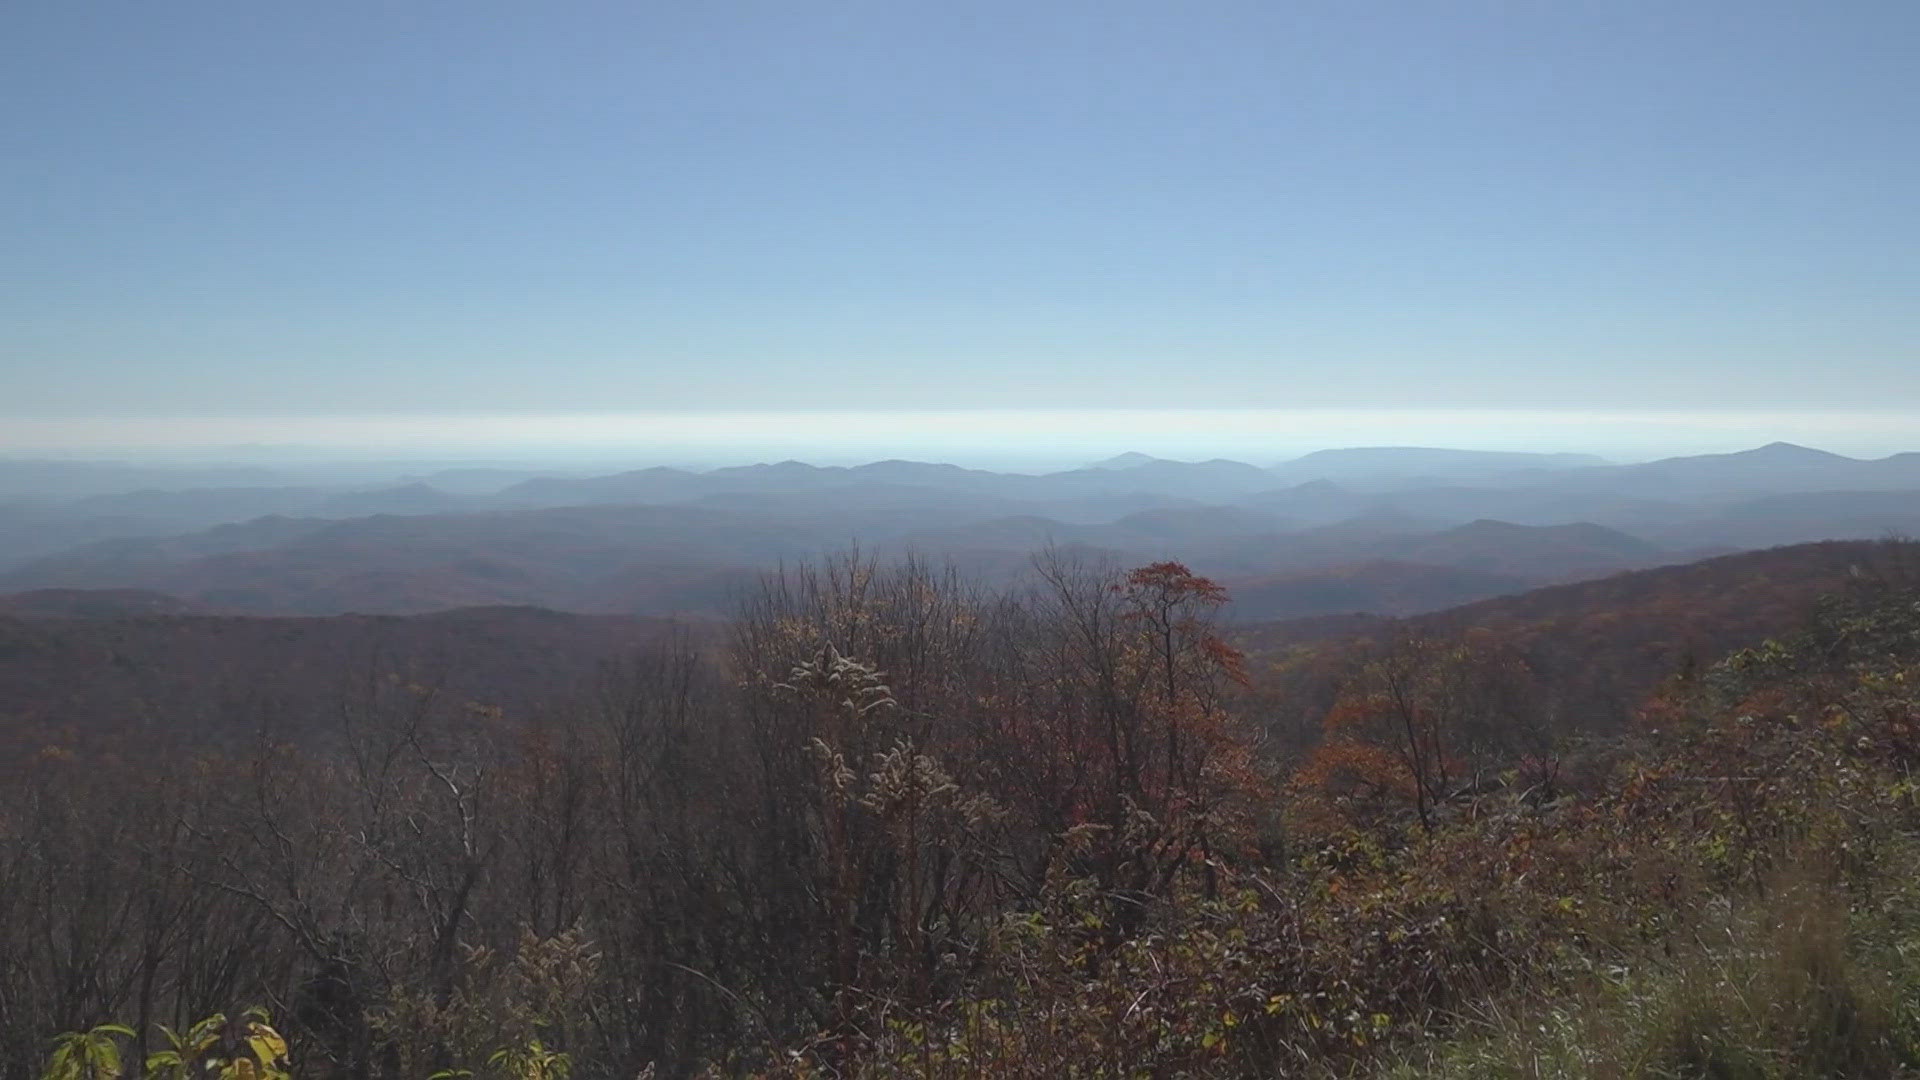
(888, 822)
(1592, 650)
(95, 668)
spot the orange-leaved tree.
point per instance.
(1133, 707)
(1445, 708)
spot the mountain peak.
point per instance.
(1132, 459)
(1788, 451)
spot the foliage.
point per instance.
(87, 1055)
(244, 1048)
(512, 1010)
(896, 825)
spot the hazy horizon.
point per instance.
(1019, 439)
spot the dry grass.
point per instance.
(1800, 985)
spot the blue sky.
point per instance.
(244, 210)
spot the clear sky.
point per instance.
(477, 208)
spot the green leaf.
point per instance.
(266, 1043)
(206, 1031)
(60, 1065)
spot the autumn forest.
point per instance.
(889, 821)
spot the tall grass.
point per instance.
(1804, 983)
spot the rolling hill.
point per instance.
(668, 539)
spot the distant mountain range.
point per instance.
(1385, 529)
(1397, 464)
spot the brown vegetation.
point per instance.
(895, 824)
